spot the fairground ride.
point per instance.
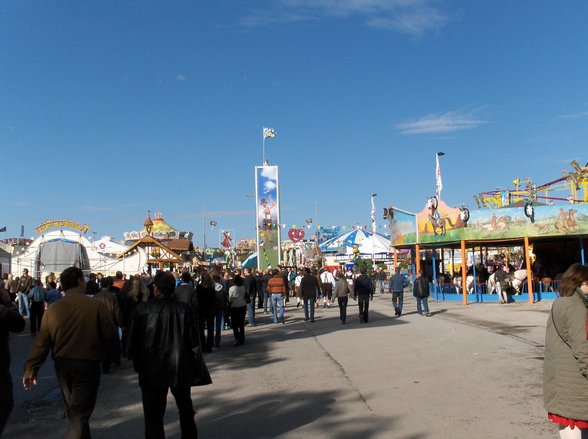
(574, 183)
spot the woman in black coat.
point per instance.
(206, 310)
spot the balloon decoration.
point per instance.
(296, 235)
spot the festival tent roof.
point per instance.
(368, 243)
(250, 262)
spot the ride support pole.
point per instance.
(464, 261)
(529, 271)
(417, 262)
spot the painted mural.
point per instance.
(439, 223)
(268, 216)
(403, 229)
(531, 221)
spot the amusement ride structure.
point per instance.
(575, 183)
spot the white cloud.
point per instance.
(440, 123)
(411, 17)
(269, 172)
(180, 77)
(269, 186)
(580, 115)
(213, 214)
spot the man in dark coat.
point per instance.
(165, 363)
(420, 291)
(251, 286)
(309, 287)
(10, 321)
(363, 289)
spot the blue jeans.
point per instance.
(251, 313)
(382, 286)
(425, 302)
(308, 301)
(277, 300)
(218, 327)
(266, 301)
(398, 300)
(23, 304)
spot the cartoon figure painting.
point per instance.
(268, 216)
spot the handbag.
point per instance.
(201, 373)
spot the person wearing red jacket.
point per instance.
(277, 289)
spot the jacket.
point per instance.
(398, 283)
(10, 321)
(421, 287)
(25, 284)
(250, 285)
(276, 285)
(309, 286)
(187, 294)
(341, 288)
(162, 336)
(37, 294)
(363, 286)
(111, 303)
(237, 296)
(565, 368)
(221, 298)
(76, 327)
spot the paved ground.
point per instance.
(465, 372)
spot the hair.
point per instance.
(70, 278)
(165, 282)
(118, 275)
(275, 272)
(307, 270)
(573, 277)
(206, 280)
(238, 280)
(397, 270)
(38, 282)
(106, 282)
(52, 285)
(340, 275)
(186, 278)
(137, 290)
(362, 270)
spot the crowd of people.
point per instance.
(88, 323)
(164, 324)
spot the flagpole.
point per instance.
(263, 146)
(374, 228)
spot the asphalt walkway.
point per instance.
(466, 371)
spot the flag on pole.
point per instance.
(438, 177)
(269, 133)
(374, 227)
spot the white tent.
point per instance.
(56, 250)
(370, 245)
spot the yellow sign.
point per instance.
(59, 224)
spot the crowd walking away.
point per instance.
(91, 323)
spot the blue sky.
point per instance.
(109, 109)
